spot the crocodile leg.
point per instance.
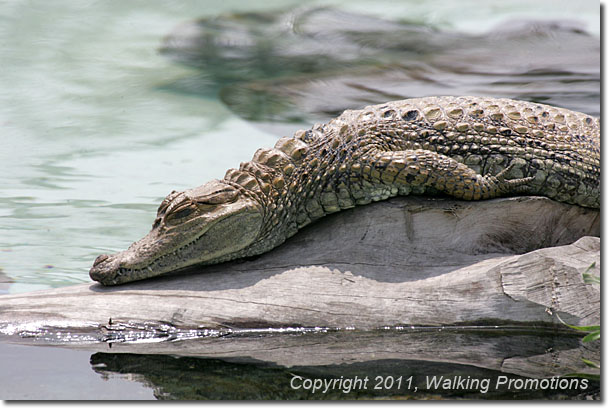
(419, 146)
(422, 168)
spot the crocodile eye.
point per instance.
(217, 198)
(179, 214)
(183, 213)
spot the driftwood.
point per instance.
(406, 261)
(405, 287)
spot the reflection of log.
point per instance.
(414, 261)
(519, 352)
(180, 374)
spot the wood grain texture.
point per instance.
(406, 261)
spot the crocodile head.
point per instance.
(207, 224)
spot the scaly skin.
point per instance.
(470, 148)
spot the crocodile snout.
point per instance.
(103, 267)
(100, 259)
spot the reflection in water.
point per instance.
(92, 142)
(311, 65)
(277, 367)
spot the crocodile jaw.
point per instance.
(151, 256)
(208, 234)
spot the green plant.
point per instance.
(593, 332)
(588, 278)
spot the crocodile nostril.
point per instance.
(100, 259)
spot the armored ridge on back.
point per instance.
(470, 148)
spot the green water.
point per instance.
(92, 139)
(97, 126)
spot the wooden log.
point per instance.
(406, 261)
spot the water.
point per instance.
(97, 126)
(90, 142)
(397, 364)
(34, 373)
(94, 135)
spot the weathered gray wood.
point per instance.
(413, 261)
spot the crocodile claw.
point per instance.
(505, 185)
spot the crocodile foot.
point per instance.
(502, 185)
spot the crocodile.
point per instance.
(470, 148)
